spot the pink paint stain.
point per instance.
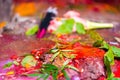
(41, 33)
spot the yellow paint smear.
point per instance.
(10, 73)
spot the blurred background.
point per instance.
(37, 7)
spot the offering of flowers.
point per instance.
(68, 59)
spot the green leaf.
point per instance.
(95, 35)
(54, 56)
(54, 75)
(16, 63)
(98, 43)
(110, 56)
(8, 65)
(65, 75)
(43, 76)
(105, 45)
(108, 61)
(50, 69)
(113, 78)
(116, 51)
(108, 68)
(29, 59)
(32, 30)
(54, 50)
(34, 75)
(65, 63)
(39, 75)
(72, 67)
(67, 50)
(61, 56)
(80, 28)
(67, 55)
(101, 44)
(66, 27)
